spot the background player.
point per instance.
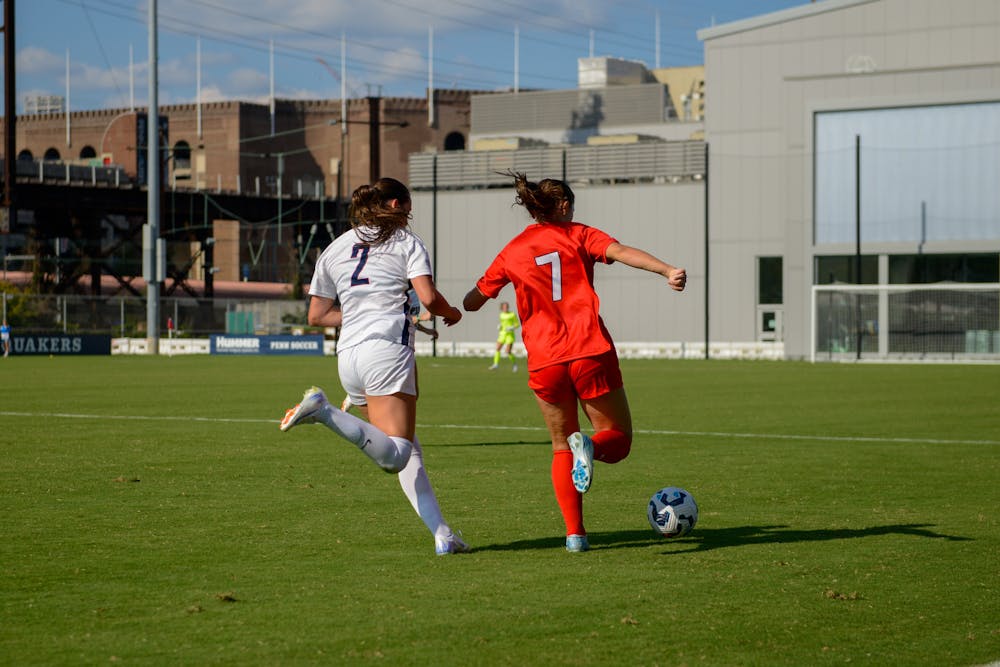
(5, 338)
(508, 325)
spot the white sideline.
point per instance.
(707, 434)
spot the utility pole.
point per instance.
(10, 118)
(857, 243)
(374, 140)
(152, 253)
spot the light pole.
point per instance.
(10, 116)
(374, 139)
(152, 242)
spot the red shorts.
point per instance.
(586, 378)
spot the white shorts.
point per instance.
(377, 367)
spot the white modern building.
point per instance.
(898, 100)
(910, 86)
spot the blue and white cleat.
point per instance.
(577, 544)
(313, 400)
(452, 544)
(583, 460)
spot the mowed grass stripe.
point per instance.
(847, 514)
(707, 434)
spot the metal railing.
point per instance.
(57, 171)
(666, 161)
(121, 316)
(60, 172)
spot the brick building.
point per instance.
(238, 146)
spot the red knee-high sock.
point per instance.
(611, 446)
(570, 500)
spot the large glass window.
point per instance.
(769, 288)
(957, 268)
(832, 269)
(927, 174)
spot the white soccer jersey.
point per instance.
(371, 283)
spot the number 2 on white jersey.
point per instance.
(362, 249)
(553, 259)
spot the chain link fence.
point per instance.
(125, 317)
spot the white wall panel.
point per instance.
(835, 56)
(666, 220)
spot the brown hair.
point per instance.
(542, 199)
(373, 220)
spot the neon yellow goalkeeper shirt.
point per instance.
(508, 322)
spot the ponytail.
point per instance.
(373, 220)
(542, 199)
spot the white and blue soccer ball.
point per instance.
(672, 512)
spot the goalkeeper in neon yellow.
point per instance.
(508, 325)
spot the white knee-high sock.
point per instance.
(418, 490)
(389, 453)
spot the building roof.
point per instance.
(774, 18)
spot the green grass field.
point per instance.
(152, 513)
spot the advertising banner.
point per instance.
(23, 345)
(286, 344)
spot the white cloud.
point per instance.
(247, 82)
(35, 60)
(90, 78)
(179, 73)
(374, 19)
(386, 46)
(403, 63)
(212, 94)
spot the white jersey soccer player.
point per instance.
(372, 285)
(369, 271)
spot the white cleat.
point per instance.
(305, 412)
(346, 405)
(452, 544)
(583, 461)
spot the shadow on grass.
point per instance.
(498, 443)
(719, 538)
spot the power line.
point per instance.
(173, 24)
(528, 17)
(471, 75)
(181, 26)
(368, 45)
(100, 46)
(489, 28)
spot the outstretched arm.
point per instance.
(640, 259)
(474, 300)
(434, 301)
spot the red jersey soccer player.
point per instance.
(571, 356)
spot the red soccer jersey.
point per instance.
(552, 268)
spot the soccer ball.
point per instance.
(672, 512)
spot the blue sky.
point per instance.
(387, 44)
